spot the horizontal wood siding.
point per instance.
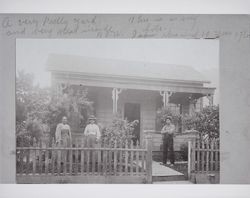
(104, 111)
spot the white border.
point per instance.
(127, 6)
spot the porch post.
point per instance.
(165, 97)
(192, 105)
(115, 96)
(210, 99)
(189, 159)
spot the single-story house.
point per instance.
(133, 88)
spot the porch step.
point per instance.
(173, 182)
(168, 178)
(163, 173)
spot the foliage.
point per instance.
(119, 131)
(31, 100)
(206, 121)
(163, 113)
(74, 104)
(31, 108)
(23, 138)
(36, 106)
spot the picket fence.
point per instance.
(109, 162)
(203, 157)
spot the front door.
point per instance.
(132, 112)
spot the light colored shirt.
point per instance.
(170, 129)
(92, 129)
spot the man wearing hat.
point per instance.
(168, 141)
(92, 132)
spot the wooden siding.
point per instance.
(104, 111)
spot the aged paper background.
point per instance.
(233, 32)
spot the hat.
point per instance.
(168, 118)
(92, 117)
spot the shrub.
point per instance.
(119, 131)
(23, 138)
(206, 122)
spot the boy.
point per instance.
(168, 141)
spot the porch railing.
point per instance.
(42, 163)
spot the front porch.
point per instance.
(137, 104)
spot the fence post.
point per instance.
(149, 146)
(190, 160)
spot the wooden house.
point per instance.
(134, 89)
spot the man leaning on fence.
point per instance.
(168, 141)
(92, 133)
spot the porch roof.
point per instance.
(126, 69)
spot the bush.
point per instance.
(119, 131)
(206, 122)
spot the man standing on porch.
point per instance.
(92, 132)
(168, 141)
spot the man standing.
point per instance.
(63, 133)
(63, 139)
(92, 132)
(168, 141)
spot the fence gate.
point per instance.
(108, 163)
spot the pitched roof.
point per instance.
(122, 68)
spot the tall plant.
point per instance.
(119, 131)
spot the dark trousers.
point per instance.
(168, 145)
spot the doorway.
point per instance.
(132, 111)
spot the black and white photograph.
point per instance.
(117, 111)
(127, 104)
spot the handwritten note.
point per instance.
(121, 26)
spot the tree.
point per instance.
(31, 108)
(74, 104)
(32, 101)
(36, 106)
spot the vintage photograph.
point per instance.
(117, 111)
